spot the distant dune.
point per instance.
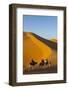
(53, 40)
(38, 48)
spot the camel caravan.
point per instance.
(44, 63)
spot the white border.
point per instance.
(38, 77)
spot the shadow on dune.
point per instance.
(51, 44)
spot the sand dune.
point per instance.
(38, 48)
(53, 40)
(49, 43)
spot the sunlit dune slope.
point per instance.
(35, 49)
